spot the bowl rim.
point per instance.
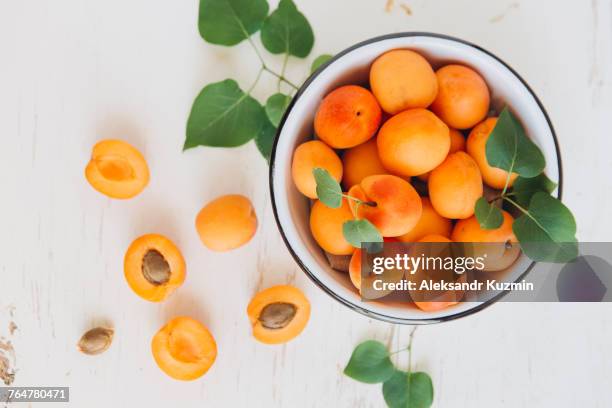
(310, 274)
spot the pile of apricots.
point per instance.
(154, 267)
(411, 125)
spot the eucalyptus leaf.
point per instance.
(370, 363)
(265, 140)
(358, 231)
(223, 116)
(524, 188)
(489, 216)
(228, 22)
(509, 148)
(287, 31)
(320, 60)
(408, 390)
(276, 105)
(547, 232)
(329, 191)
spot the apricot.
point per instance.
(184, 349)
(154, 267)
(360, 162)
(309, 156)
(226, 223)
(278, 314)
(117, 169)
(476, 147)
(365, 285)
(413, 142)
(403, 79)
(429, 223)
(463, 97)
(390, 203)
(455, 186)
(457, 144)
(347, 117)
(326, 227)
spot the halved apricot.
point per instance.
(326, 227)
(309, 156)
(154, 267)
(184, 349)
(278, 314)
(391, 204)
(429, 223)
(117, 169)
(226, 223)
(360, 162)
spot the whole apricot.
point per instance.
(457, 143)
(429, 223)
(476, 147)
(347, 117)
(390, 203)
(226, 222)
(326, 227)
(455, 186)
(403, 79)
(360, 162)
(309, 156)
(413, 142)
(463, 96)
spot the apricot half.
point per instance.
(326, 227)
(429, 223)
(360, 162)
(347, 117)
(309, 156)
(226, 223)
(154, 267)
(184, 349)
(278, 314)
(413, 142)
(476, 147)
(455, 186)
(117, 169)
(390, 203)
(463, 97)
(403, 79)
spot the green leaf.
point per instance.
(228, 22)
(547, 232)
(408, 390)
(265, 139)
(525, 188)
(223, 116)
(358, 231)
(488, 215)
(329, 191)
(320, 60)
(276, 105)
(370, 363)
(509, 148)
(287, 31)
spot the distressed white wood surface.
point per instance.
(75, 71)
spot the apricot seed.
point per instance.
(96, 341)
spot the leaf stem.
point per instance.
(265, 67)
(409, 348)
(528, 214)
(256, 81)
(283, 69)
(358, 201)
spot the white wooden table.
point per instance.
(75, 71)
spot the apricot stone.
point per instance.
(403, 79)
(429, 223)
(360, 162)
(326, 227)
(347, 117)
(309, 156)
(455, 186)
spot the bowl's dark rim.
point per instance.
(299, 93)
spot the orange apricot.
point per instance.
(347, 117)
(413, 142)
(476, 147)
(403, 79)
(360, 162)
(429, 223)
(309, 156)
(355, 269)
(455, 186)
(226, 222)
(434, 238)
(117, 169)
(326, 227)
(278, 314)
(457, 144)
(390, 203)
(184, 349)
(463, 97)
(154, 267)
